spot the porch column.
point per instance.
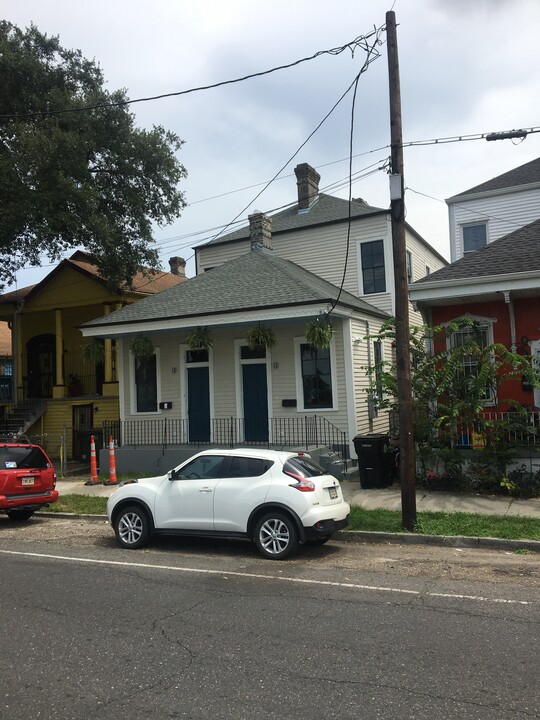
(17, 351)
(108, 352)
(110, 384)
(59, 391)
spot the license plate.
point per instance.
(333, 493)
(28, 480)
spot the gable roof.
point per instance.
(326, 209)
(254, 281)
(526, 174)
(518, 252)
(82, 262)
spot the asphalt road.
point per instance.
(207, 630)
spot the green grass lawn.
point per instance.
(429, 523)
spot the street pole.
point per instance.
(397, 209)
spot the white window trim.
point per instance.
(472, 223)
(133, 388)
(483, 322)
(184, 365)
(298, 341)
(359, 265)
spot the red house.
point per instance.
(498, 285)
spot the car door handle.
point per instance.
(205, 489)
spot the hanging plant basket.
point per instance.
(260, 336)
(319, 333)
(199, 339)
(142, 346)
(94, 352)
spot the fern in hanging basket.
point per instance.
(142, 346)
(94, 351)
(260, 336)
(319, 333)
(199, 339)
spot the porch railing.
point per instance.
(520, 429)
(301, 432)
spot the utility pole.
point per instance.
(397, 208)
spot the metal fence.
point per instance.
(312, 431)
(521, 429)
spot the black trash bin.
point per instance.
(375, 460)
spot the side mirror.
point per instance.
(173, 474)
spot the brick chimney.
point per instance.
(178, 266)
(260, 231)
(307, 181)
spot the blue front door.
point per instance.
(198, 404)
(255, 402)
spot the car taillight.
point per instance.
(302, 483)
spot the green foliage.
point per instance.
(448, 524)
(449, 401)
(199, 339)
(94, 351)
(260, 336)
(87, 178)
(318, 332)
(142, 346)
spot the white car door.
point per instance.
(187, 502)
(237, 495)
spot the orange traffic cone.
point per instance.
(94, 479)
(112, 464)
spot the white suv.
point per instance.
(276, 498)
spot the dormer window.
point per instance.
(474, 237)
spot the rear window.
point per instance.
(249, 467)
(301, 465)
(23, 457)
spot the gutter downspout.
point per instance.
(370, 375)
(508, 300)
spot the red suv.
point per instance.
(27, 479)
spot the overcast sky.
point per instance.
(466, 67)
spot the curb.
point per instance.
(372, 536)
(457, 541)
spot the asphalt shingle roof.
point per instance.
(522, 175)
(256, 280)
(514, 253)
(326, 209)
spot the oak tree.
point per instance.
(75, 171)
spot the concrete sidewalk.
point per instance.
(387, 498)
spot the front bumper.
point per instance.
(325, 528)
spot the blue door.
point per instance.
(198, 404)
(255, 402)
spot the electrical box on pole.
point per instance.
(397, 205)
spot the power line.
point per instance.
(353, 45)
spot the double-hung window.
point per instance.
(481, 335)
(372, 267)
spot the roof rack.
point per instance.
(14, 437)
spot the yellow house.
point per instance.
(65, 386)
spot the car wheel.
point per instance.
(132, 527)
(276, 536)
(19, 515)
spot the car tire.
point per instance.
(19, 514)
(132, 527)
(276, 536)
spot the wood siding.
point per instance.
(503, 214)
